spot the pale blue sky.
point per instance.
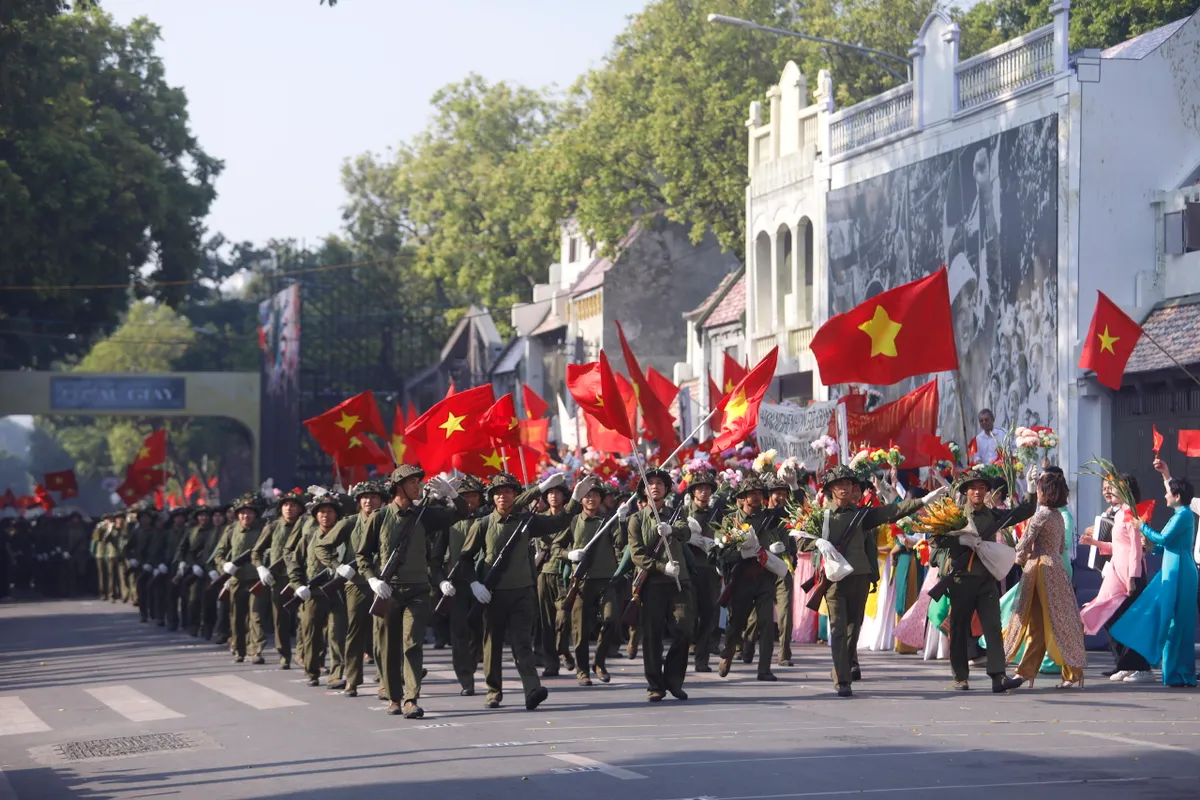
(285, 90)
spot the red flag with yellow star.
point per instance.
(153, 451)
(535, 406)
(451, 426)
(1109, 342)
(731, 374)
(353, 417)
(656, 417)
(902, 332)
(361, 450)
(740, 406)
(403, 451)
(583, 382)
(501, 424)
(63, 482)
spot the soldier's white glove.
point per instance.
(481, 592)
(133, 563)
(703, 542)
(1031, 476)
(264, 575)
(346, 571)
(229, 568)
(66, 556)
(197, 570)
(788, 475)
(553, 482)
(146, 568)
(935, 495)
(751, 547)
(777, 548)
(664, 529)
(303, 593)
(694, 526)
(162, 568)
(380, 588)
(447, 588)
(182, 569)
(671, 570)
(575, 556)
(212, 576)
(441, 488)
(583, 487)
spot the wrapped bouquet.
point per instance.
(940, 517)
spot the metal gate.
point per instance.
(1136, 412)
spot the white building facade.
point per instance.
(1035, 176)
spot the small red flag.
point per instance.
(535, 434)
(450, 392)
(902, 332)
(1158, 440)
(1145, 510)
(655, 416)
(63, 482)
(401, 449)
(535, 406)
(740, 407)
(449, 427)
(153, 451)
(935, 448)
(731, 374)
(1110, 342)
(500, 423)
(193, 486)
(616, 415)
(352, 417)
(361, 450)
(1189, 443)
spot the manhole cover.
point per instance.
(122, 746)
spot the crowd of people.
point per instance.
(683, 565)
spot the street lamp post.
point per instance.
(721, 19)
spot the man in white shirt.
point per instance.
(988, 439)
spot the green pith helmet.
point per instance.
(974, 475)
(249, 500)
(502, 480)
(365, 488)
(750, 483)
(469, 483)
(296, 495)
(402, 473)
(702, 477)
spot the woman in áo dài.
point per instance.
(1161, 623)
(1046, 617)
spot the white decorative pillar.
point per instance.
(752, 126)
(950, 37)
(917, 54)
(823, 99)
(773, 99)
(1060, 12)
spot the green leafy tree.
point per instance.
(101, 180)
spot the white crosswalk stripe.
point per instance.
(15, 717)
(248, 692)
(132, 704)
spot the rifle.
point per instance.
(819, 584)
(496, 571)
(634, 608)
(395, 561)
(220, 585)
(313, 585)
(258, 587)
(774, 515)
(585, 564)
(443, 604)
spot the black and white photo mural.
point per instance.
(989, 212)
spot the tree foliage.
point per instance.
(101, 180)
(1094, 23)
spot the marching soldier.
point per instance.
(850, 529)
(466, 636)
(597, 595)
(303, 565)
(110, 558)
(779, 494)
(401, 524)
(75, 548)
(554, 627)
(193, 579)
(666, 596)
(510, 610)
(240, 538)
(173, 540)
(706, 578)
(215, 617)
(268, 557)
(369, 497)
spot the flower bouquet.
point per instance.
(825, 444)
(763, 460)
(1106, 471)
(733, 534)
(1027, 441)
(806, 519)
(1049, 440)
(941, 517)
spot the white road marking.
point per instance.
(583, 761)
(15, 717)
(1125, 740)
(248, 692)
(132, 704)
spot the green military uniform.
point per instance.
(216, 609)
(466, 633)
(360, 625)
(173, 539)
(403, 631)
(111, 565)
(706, 577)
(974, 590)
(666, 607)
(309, 559)
(246, 629)
(597, 595)
(270, 554)
(192, 556)
(75, 546)
(852, 529)
(551, 589)
(513, 607)
(784, 585)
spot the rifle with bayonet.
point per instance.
(395, 561)
(274, 569)
(496, 571)
(313, 585)
(461, 565)
(220, 586)
(634, 607)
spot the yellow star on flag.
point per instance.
(737, 407)
(513, 424)
(145, 451)
(452, 424)
(347, 422)
(494, 461)
(399, 448)
(355, 442)
(728, 386)
(1107, 341)
(882, 330)
(599, 400)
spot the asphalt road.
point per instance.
(78, 672)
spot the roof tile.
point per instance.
(1174, 326)
(732, 305)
